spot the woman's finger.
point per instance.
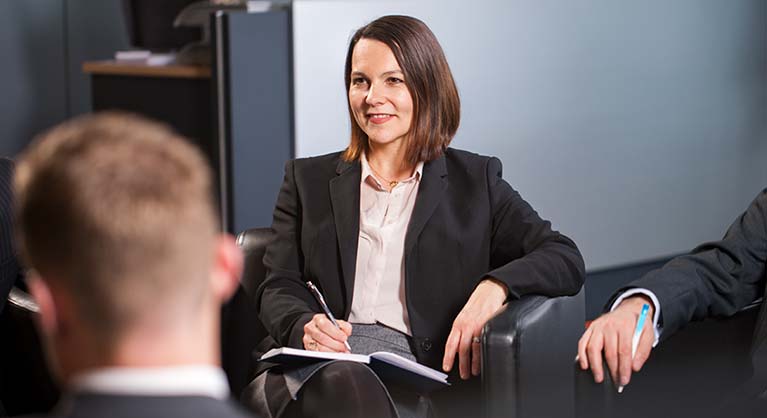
(464, 354)
(315, 333)
(329, 328)
(451, 347)
(476, 355)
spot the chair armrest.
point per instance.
(527, 356)
(26, 383)
(22, 300)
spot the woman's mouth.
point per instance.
(379, 118)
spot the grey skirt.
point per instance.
(271, 391)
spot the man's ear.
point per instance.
(41, 293)
(227, 267)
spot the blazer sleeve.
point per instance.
(717, 278)
(283, 301)
(9, 267)
(526, 254)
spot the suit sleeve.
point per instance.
(526, 254)
(9, 267)
(717, 278)
(283, 301)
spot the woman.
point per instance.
(413, 244)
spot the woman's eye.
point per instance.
(395, 80)
(358, 80)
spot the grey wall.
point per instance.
(32, 80)
(95, 30)
(43, 44)
(638, 127)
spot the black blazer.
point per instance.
(9, 267)
(467, 224)
(717, 278)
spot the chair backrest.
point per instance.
(241, 330)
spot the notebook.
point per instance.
(388, 366)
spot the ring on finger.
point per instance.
(312, 345)
(475, 340)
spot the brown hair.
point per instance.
(118, 210)
(436, 105)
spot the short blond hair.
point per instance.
(118, 210)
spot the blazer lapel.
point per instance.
(430, 193)
(345, 202)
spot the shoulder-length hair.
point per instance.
(436, 105)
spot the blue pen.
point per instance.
(637, 334)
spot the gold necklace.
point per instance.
(392, 183)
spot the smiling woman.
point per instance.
(414, 245)
(378, 97)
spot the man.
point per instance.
(715, 279)
(116, 221)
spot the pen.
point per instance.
(324, 306)
(637, 334)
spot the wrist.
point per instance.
(496, 287)
(635, 302)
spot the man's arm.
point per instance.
(715, 279)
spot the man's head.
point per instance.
(115, 215)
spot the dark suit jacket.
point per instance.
(467, 224)
(9, 268)
(124, 406)
(717, 278)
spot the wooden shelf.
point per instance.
(143, 70)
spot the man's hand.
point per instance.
(612, 332)
(484, 302)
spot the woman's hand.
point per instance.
(321, 335)
(489, 296)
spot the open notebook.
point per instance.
(388, 366)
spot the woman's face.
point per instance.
(379, 99)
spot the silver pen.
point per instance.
(324, 306)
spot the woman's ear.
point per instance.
(227, 267)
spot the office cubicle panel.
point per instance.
(254, 112)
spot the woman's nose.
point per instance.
(374, 96)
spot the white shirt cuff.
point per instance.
(649, 294)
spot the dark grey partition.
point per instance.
(254, 111)
(32, 82)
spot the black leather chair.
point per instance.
(689, 374)
(527, 349)
(26, 385)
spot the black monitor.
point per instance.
(150, 24)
